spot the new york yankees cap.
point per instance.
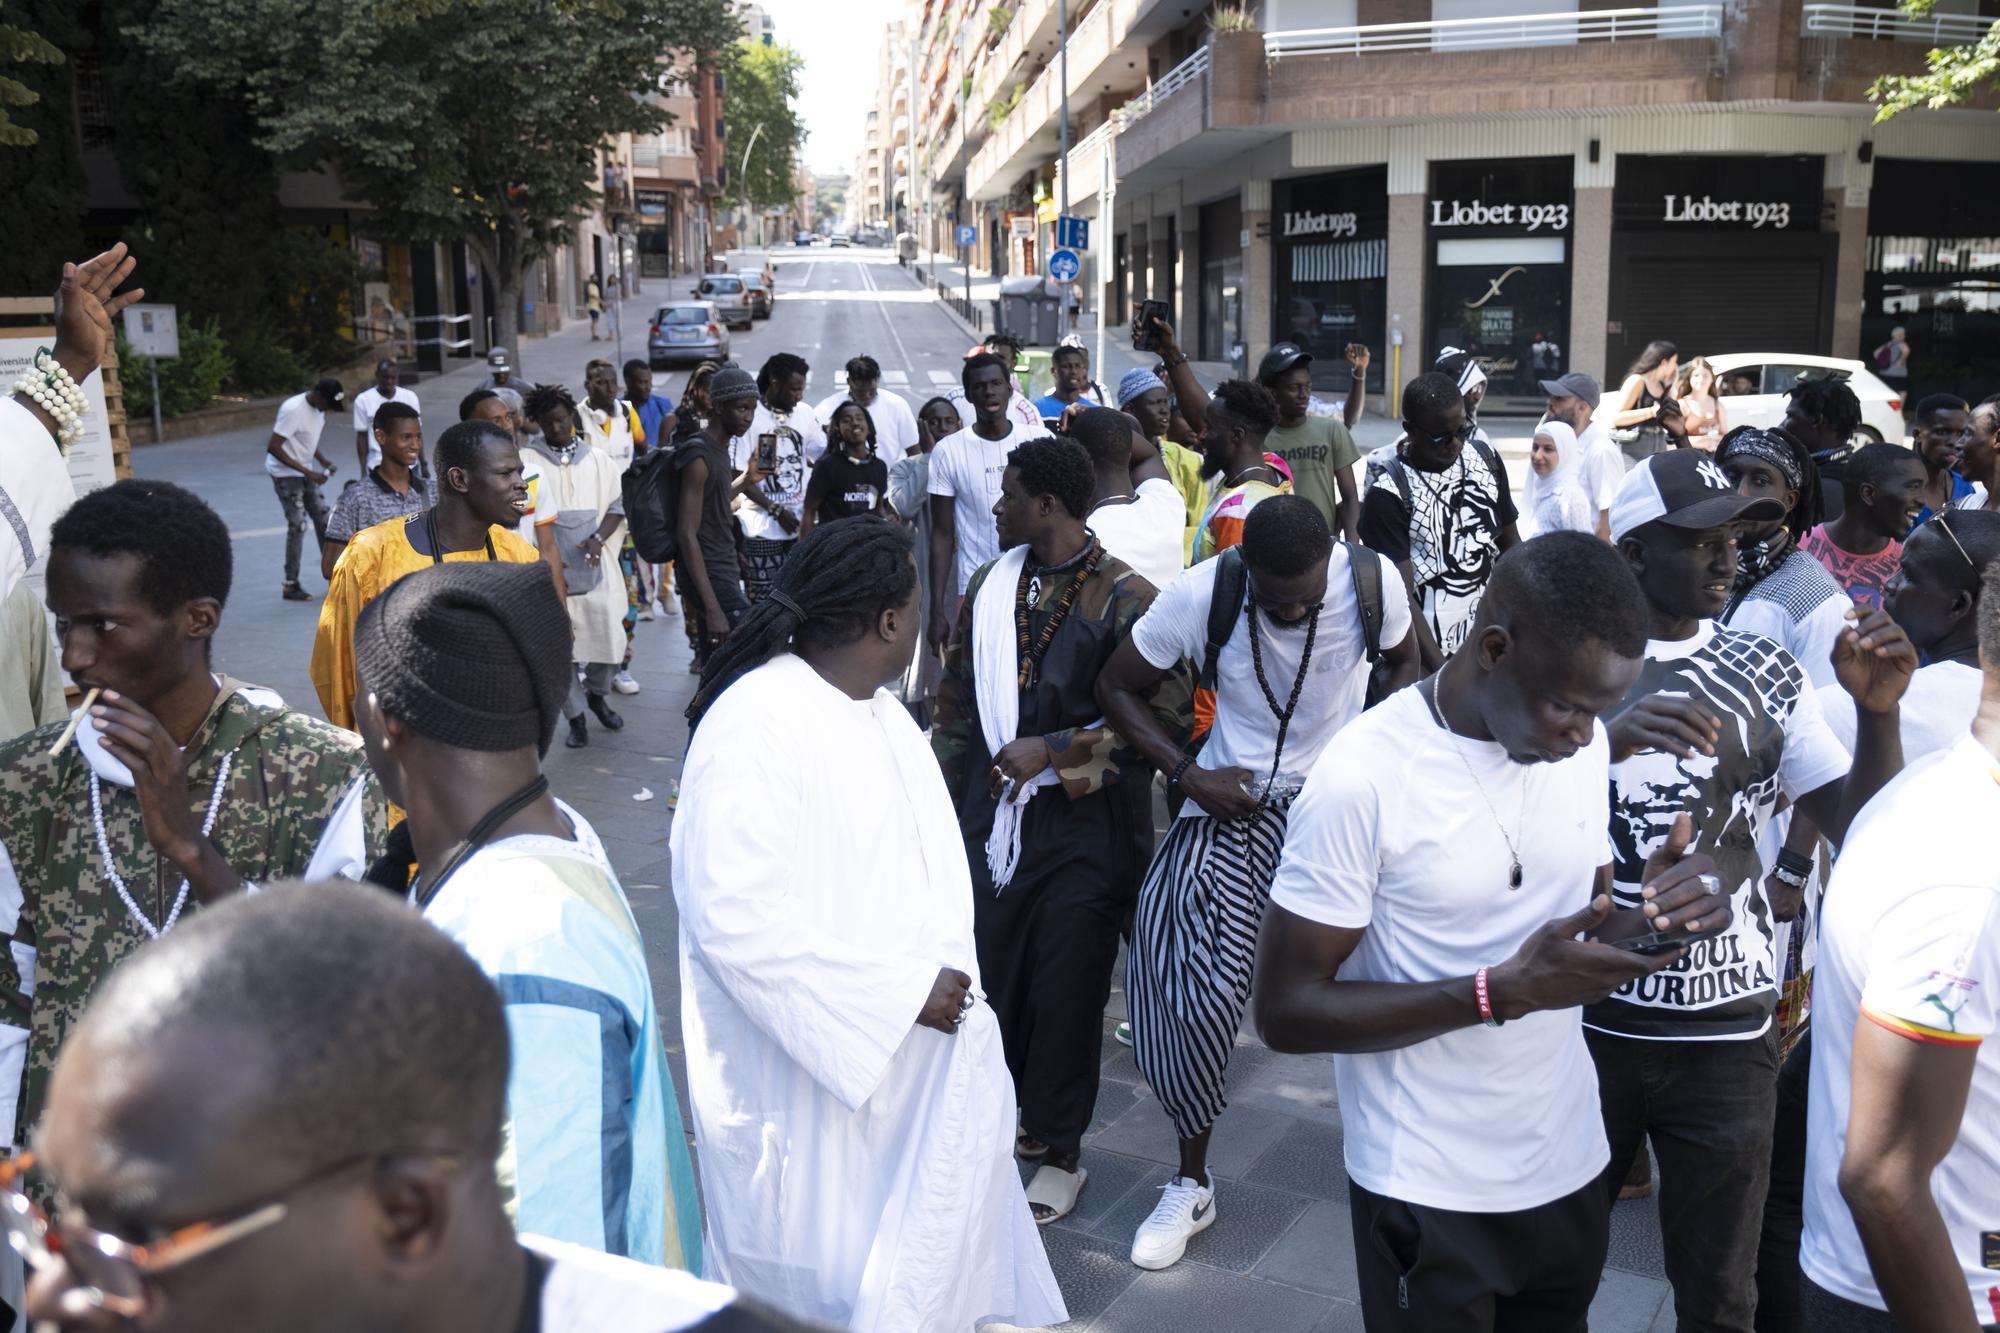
(1684, 488)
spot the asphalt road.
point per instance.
(1279, 1259)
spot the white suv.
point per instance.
(1752, 386)
(731, 296)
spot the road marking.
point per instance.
(944, 377)
(245, 534)
(868, 280)
(895, 377)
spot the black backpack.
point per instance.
(1232, 587)
(652, 487)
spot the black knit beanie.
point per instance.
(471, 654)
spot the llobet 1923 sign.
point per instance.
(1479, 213)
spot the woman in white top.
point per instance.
(1554, 499)
(1701, 405)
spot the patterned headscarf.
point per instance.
(1136, 382)
(1766, 446)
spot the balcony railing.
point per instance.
(1604, 25)
(1893, 24)
(1177, 78)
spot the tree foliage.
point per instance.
(761, 88)
(1954, 74)
(476, 121)
(20, 46)
(41, 180)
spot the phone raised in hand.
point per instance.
(767, 452)
(1145, 338)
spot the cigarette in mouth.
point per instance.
(75, 718)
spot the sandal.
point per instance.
(1029, 1148)
(1055, 1190)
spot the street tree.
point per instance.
(478, 121)
(761, 88)
(20, 46)
(1953, 74)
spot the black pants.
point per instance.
(1778, 1275)
(1430, 1270)
(1047, 944)
(1707, 1107)
(1827, 1313)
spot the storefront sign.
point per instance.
(1479, 213)
(652, 205)
(1757, 213)
(1322, 224)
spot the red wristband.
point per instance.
(1484, 996)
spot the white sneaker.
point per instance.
(1184, 1209)
(624, 684)
(667, 606)
(645, 613)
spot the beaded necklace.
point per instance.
(1284, 715)
(1030, 655)
(111, 870)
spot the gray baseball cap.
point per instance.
(1576, 384)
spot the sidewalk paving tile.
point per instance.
(1317, 1253)
(1628, 1303)
(1191, 1295)
(1249, 1220)
(1145, 1131)
(1308, 1160)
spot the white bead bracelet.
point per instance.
(57, 393)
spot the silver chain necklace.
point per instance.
(1451, 739)
(111, 870)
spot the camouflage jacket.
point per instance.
(63, 919)
(1061, 704)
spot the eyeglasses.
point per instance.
(116, 1275)
(1937, 519)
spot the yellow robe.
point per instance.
(373, 560)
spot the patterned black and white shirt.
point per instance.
(1447, 525)
(371, 500)
(1774, 741)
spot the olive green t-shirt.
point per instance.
(1316, 449)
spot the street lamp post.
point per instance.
(743, 170)
(1062, 170)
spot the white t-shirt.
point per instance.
(1799, 606)
(299, 423)
(610, 433)
(1936, 711)
(35, 489)
(1603, 466)
(1910, 941)
(1175, 629)
(967, 468)
(367, 403)
(1019, 410)
(895, 423)
(1392, 837)
(1774, 741)
(787, 483)
(1148, 533)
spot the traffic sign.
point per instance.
(1073, 233)
(1064, 265)
(967, 234)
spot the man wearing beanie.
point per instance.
(463, 670)
(708, 532)
(1145, 398)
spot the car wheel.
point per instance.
(1865, 435)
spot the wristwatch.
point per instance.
(1789, 877)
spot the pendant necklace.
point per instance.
(1451, 738)
(111, 870)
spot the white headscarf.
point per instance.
(1568, 458)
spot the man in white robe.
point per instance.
(854, 1117)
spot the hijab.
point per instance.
(1568, 458)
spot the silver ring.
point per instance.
(1713, 883)
(965, 1003)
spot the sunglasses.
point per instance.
(1937, 520)
(1458, 437)
(117, 1275)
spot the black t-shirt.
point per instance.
(716, 534)
(842, 488)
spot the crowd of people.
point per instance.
(1631, 824)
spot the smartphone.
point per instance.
(1144, 338)
(1654, 942)
(767, 452)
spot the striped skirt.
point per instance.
(1194, 948)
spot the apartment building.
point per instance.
(1551, 183)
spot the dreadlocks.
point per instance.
(538, 401)
(833, 586)
(1829, 400)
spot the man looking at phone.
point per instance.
(1719, 724)
(1318, 450)
(1445, 855)
(965, 484)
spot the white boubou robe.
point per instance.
(856, 1168)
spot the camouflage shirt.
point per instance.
(63, 919)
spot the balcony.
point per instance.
(1504, 33)
(1106, 58)
(1892, 25)
(1843, 48)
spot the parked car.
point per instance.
(731, 296)
(685, 334)
(761, 295)
(1752, 388)
(803, 238)
(841, 240)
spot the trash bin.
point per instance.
(1030, 308)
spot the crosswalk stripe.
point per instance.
(895, 377)
(944, 377)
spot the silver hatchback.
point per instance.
(685, 334)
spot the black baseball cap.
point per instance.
(1683, 488)
(330, 393)
(1281, 358)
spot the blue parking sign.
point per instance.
(1064, 265)
(1073, 233)
(967, 234)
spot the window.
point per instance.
(93, 105)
